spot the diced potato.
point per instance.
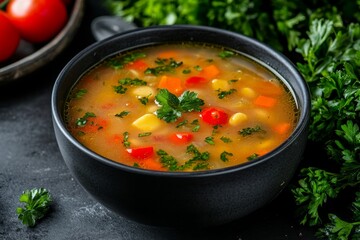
(148, 122)
(262, 114)
(248, 92)
(237, 119)
(144, 91)
(220, 84)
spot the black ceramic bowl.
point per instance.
(179, 199)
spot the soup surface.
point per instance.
(180, 107)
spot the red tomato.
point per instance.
(9, 37)
(37, 20)
(141, 152)
(214, 116)
(181, 137)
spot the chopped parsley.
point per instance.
(165, 65)
(226, 54)
(253, 156)
(80, 93)
(210, 140)
(125, 141)
(144, 100)
(122, 114)
(145, 134)
(186, 71)
(197, 162)
(250, 130)
(121, 62)
(172, 107)
(225, 139)
(84, 119)
(198, 68)
(223, 94)
(121, 88)
(224, 156)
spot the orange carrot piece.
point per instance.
(210, 71)
(264, 101)
(282, 128)
(168, 54)
(151, 164)
(172, 84)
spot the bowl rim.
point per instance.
(301, 126)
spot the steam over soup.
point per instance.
(180, 107)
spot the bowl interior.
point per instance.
(96, 53)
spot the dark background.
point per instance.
(29, 158)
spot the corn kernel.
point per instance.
(237, 119)
(148, 122)
(220, 84)
(144, 91)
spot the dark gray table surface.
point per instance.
(29, 157)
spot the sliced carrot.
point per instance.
(150, 164)
(168, 54)
(264, 101)
(282, 128)
(172, 84)
(210, 71)
(139, 65)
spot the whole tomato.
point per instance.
(9, 37)
(37, 20)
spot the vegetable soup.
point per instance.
(181, 107)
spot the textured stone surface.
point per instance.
(29, 157)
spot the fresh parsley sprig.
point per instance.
(172, 107)
(37, 203)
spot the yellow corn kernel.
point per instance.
(220, 84)
(248, 92)
(144, 91)
(237, 119)
(148, 122)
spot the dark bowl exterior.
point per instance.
(181, 199)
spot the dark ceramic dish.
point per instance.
(179, 199)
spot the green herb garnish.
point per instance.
(80, 93)
(121, 88)
(224, 156)
(121, 62)
(225, 139)
(210, 140)
(145, 134)
(253, 156)
(223, 94)
(84, 119)
(250, 130)
(37, 203)
(226, 54)
(172, 107)
(125, 141)
(165, 65)
(122, 114)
